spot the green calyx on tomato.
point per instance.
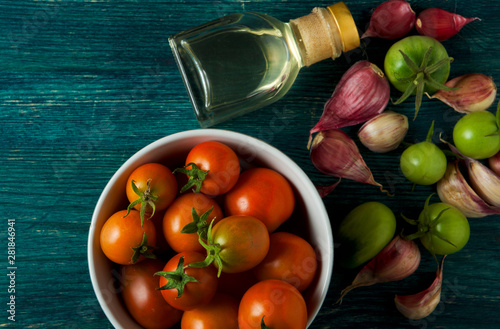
(146, 199)
(199, 224)
(424, 163)
(213, 252)
(143, 249)
(417, 64)
(442, 228)
(196, 176)
(176, 279)
(263, 324)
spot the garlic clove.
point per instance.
(392, 19)
(334, 153)
(476, 92)
(398, 260)
(454, 189)
(494, 163)
(420, 305)
(440, 24)
(362, 93)
(484, 181)
(384, 132)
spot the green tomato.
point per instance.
(423, 163)
(417, 64)
(445, 228)
(364, 232)
(415, 48)
(476, 135)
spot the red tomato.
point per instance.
(120, 234)
(220, 313)
(195, 294)
(243, 242)
(179, 214)
(278, 302)
(222, 165)
(143, 301)
(291, 259)
(156, 184)
(262, 193)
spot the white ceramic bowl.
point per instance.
(171, 151)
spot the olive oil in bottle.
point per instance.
(242, 62)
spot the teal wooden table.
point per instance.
(86, 84)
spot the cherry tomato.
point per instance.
(416, 78)
(242, 242)
(416, 46)
(277, 302)
(151, 187)
(290, 258)
(122, 238)
(220, 313)
(264, 194)
(217, 168)
(364, 232)
(142, 299)
(179, 214)
(477, 135)
(442, 228)
(192, 294)
(423, 163)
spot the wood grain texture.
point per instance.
(86, 84)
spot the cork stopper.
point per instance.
(325, 33)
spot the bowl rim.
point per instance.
(305, 184)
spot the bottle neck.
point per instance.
(318, 36)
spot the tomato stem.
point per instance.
(196, 176)
(199, 224)
(176, 279)
(213, 252)
(145, 199)
(421, 77)
(142, 249)
(263, 324)
(430, 133)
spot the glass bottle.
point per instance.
(242, 62)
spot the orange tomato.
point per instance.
(156, 183)
(277, 302)
(264, 194)
(222, 165)
(119, 235)
(179, 214)
(290, 258)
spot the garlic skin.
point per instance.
(392, 19)
(385, 132)
(362, 93)
(334, 153)
(420, 305)
(398, 260)
(454, 189)
(484, 182)
(440, 24)
(494, 163)
(476, 92)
